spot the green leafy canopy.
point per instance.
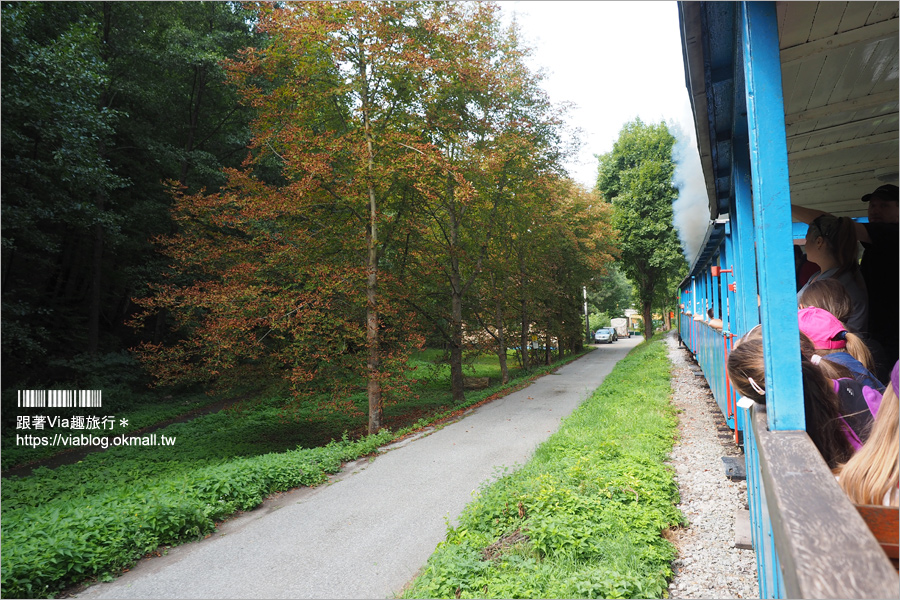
(636, 177)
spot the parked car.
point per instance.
(605, 335)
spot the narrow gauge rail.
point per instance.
(792, 102)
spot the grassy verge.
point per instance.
(96, 517)
(288, 425)
(143, 410)
(584, 518)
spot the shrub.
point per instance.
(53, 541)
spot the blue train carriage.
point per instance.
(792, 102)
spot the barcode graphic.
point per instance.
(60, 398)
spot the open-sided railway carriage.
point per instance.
(793, 102)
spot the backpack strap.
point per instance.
(854, 407)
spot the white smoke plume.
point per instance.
(691, 208)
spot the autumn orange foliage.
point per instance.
(400, 150)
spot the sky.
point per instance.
(616, 61)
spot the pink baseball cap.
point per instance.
(822, 327)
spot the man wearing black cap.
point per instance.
(880, 267)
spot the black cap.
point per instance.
(885, 192)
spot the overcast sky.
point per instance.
(616, 61)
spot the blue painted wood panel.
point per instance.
(772, 216)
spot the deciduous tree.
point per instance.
(495, 127)
(610, 293)
(338, 87)
(636, 177)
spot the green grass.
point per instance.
(143, 410)
(289, 425)
(584, 518)
(95, 517)
(60, 529)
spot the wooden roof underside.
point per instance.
(839, 73)
(839, 65)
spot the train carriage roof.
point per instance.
(839, 63)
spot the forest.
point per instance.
(203, 194)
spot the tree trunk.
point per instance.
(56, 284)
(648, 321)
(93, 324)
(373, 365)
(93, 345)
(547, 351)
(457, 384)
(501, 344)
(8, 257)
(376, 407)
(523, 341)
(196, 100)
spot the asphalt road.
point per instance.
(368, 532)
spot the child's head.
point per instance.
(828, 294)
(829, 335)
(746, 370)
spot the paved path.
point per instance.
(367, 533)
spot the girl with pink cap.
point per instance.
(836, 344)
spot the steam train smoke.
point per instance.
(691, 208)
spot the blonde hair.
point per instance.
(828, 294)
(831, 295)
(856, 348)
(873, 473)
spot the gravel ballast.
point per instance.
(708, 564)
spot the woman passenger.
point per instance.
(831, 295)
(831, 243)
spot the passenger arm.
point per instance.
(808, 215)
(805, 215)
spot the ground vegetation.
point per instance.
(89, 519)
(586, 517)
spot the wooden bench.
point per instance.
(882, 521)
